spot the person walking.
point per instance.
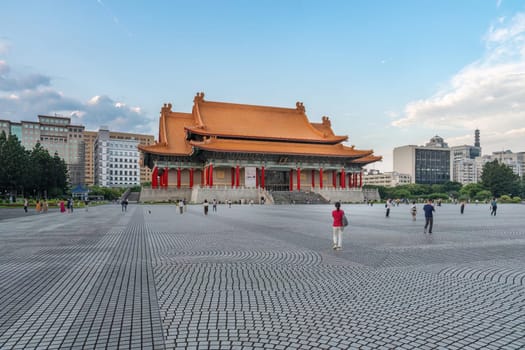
(388, 205)
(205, 205)
(26, 204)
(413, 210)
(462, 207)
(62, 206)
(38, 206)
(337, 227)
(214, 205)
(429, 217)
(45, 206)
(493, 206)
(181, 206)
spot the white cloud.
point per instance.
(26, 96)
(488, 94)
(10, 81)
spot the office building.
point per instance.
(90, 138)
(56, 134)
(387, 179)
(116, 159)
(429, 164)
(463, 166)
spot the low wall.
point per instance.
(199, 194)
(224, 193)
(164, 194)
(348, 195)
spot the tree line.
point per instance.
(497, 180)
(32, 173)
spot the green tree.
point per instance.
(13, 164)
(451, 186)
(483, 195)
(499, 179)
(470, 190)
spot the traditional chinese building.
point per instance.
(230, 146)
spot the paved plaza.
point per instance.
(262, 277)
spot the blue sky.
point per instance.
(387, 73)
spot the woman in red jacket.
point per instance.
(337, 226)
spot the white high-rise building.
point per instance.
(515, 161)
(116, 161)
(463, 166)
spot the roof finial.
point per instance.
(300, 107)
(326, 121)
(166, 108)
(199, 97)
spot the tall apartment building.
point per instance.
(515, 161)
(90, 138)
(463, 166)
(429, 164)
(57, 135)
(114, 159)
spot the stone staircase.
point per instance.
(297, 197)
(133, 197)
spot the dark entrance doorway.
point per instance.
(277, 180)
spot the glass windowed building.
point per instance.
(429, 164)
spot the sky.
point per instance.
(386, 73)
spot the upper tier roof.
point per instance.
(228, 127)
(257, 122)
(245, 146)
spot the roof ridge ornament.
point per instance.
(199, 97)
(326, 121)
(300, 107)
(166, 108)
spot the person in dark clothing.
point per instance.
(429, 217)
(493, 206)
(462, 207)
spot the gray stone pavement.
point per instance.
(262, 277)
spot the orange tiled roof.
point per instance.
(172, 136)
(250, 129)
(245, 146)
(257, 122)
(367, 159)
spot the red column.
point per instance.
(313, 178)
(178, 177)
(298, 179)
(355, 179)
(291, 179)
(161, 179)
(350, 182)
(321, 178)
(191, 177)
(154, 178)
(232, 175)
(262, 177)
(166, 173)
(256, 177)
(361, 179)
(237, 176)
(205, 176)
(334, 178)
(343, 178)
(210, 172)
